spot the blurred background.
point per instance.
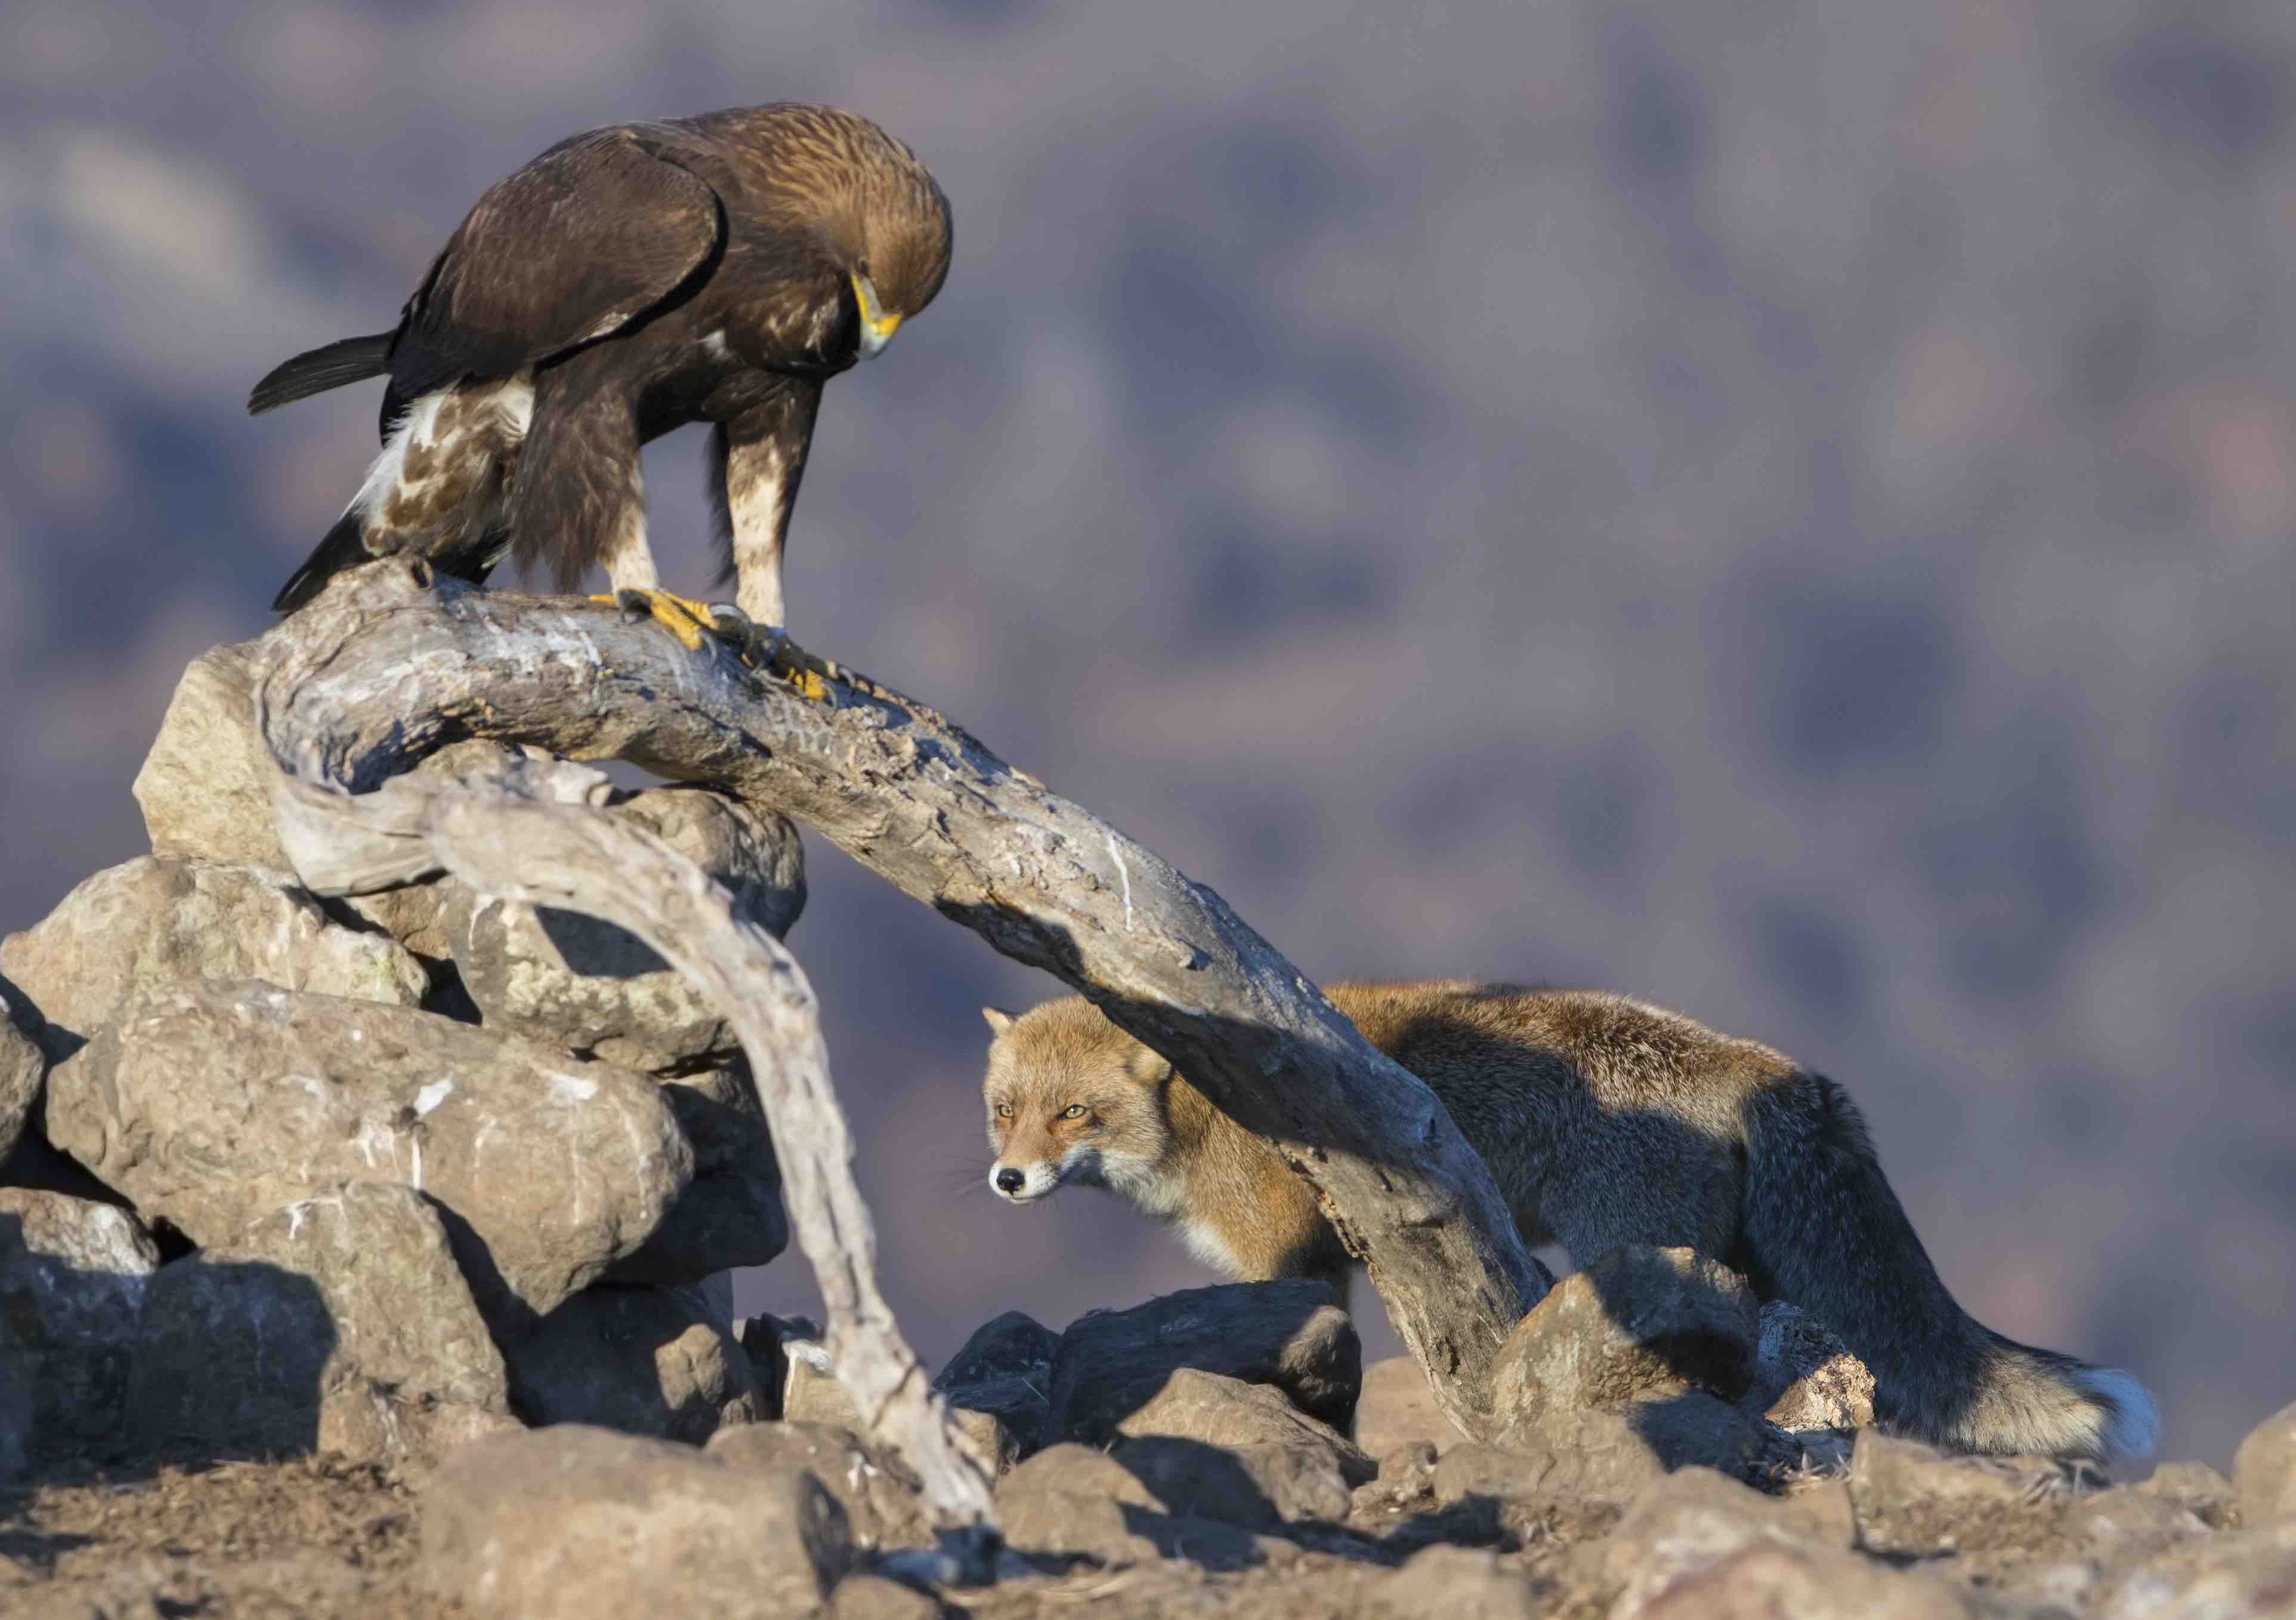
(1781, 509)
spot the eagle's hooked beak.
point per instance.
(877, 327)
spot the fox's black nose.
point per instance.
(1009, 1180)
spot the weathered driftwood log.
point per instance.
(387, 668)
(531, 835)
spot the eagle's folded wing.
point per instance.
(590, 236)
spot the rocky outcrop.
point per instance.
(173, 923)
(587, 1525)
(22, 1067)
(215, 1104)
(74, 1280)
(1639, 1323)
(359, 1333)
(567, 980)
(1286, 1334)
(2265, 1470)
(645, 1361)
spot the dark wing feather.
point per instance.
(590, 236)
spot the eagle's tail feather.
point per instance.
(344, 546)
(349, 360)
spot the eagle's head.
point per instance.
(880, 214)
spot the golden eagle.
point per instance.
(629, 281)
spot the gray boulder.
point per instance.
(645, 1361)
(336, 1323)
(1683, 1525)
(1913, 1499)
(163, 922)
(1609, 1453)
(1396, 1409)
(1074, 1500)
(882, 1498)
(2265, 1469)
(1000, 1383)
(583, 1524)
(205, 787)
(22, 1067)
(1286, 1334)
(212, 1105)
(74, 1280)
(564, 979)
(1263, 1485)
(1636, 1324)
(1805, 1377)
(1215, 1410)
(731, 1213)
(1765, 1579)
(1458, 1584)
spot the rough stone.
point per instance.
(1609, 1453)
(2264, 1469)
(211, 1105)
(1685, 1523)
(1805, 1377)
(1396, 1407)
(731, 1215)
(74, 1280)
(881, 1499)
(1210, 1409)
(869, 1597)
(155, 922)
(2240, 1572)
(999, 1384)
(1286, 1334)
(583, 1524)
(23, 1065)
(811, 1391)
(205, 787)
(1764, 1580)
(2199, 1488)
(1262, 1484)
(1458, 1584)
(1639, 1322)
(641, 1360)
(355, 1327)
(1911, 1498)
(1073, 1499)
(564, 979)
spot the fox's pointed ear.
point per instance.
(998, 1018)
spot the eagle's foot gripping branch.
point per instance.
(690, 621)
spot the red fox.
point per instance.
(1604, 1121)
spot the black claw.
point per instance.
(756, 645)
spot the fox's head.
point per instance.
(1072, 1098)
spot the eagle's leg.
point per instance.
(759, 459)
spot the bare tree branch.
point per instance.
(387, 668)
(535, 835)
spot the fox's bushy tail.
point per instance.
(349, 360)
(1825, 1232)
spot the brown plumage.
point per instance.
(629, 281)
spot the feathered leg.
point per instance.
(579, 501)
(759, 460)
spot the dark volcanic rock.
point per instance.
(1286, 1334)
(75, 1277)
(1000, 1385)
(339, 1322)
(581, 1524)
(212, 1105)
(644, 1361)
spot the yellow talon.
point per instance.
(690, 621)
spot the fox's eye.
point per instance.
(1075, 1110)
(1003, 1110)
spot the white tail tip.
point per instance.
(2133, 1424)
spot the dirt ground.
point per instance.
(308, 1539)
